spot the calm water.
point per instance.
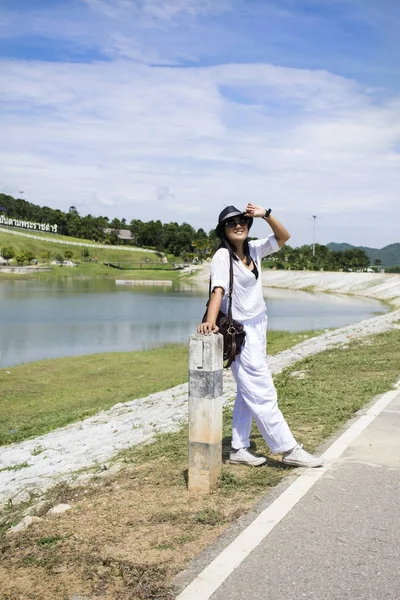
(47, 320)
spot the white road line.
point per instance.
(210, 579)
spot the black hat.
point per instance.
(228, 213)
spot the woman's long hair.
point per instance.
(225, 243)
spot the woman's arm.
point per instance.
(281, 233)
(213, 309)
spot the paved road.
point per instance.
(342, 539)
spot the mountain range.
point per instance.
(389, 255)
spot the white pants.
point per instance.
(256, 394)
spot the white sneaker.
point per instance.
(298, 457)
(244, 457)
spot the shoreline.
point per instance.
(378, 286)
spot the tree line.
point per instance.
(172, 238)
(24, 257)
(303, 257)
(181, 240)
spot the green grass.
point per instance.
(282, 340)
(16, 467)
(87, 268)
(39, 397)
(151, 486)
(50, 236)
(51, 540)
(97, 271)
(337, 384)
(20, 243)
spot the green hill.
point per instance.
(92, 261)
(389, 255)
(40, 247)
(334, 247)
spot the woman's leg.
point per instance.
(256, 390)
(241, 423)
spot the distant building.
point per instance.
(123, 234)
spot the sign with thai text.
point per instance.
(28, 224)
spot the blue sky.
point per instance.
(173, 109)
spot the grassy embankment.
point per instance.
(50, 236)
(129, 534)
(41, 396)
(86, 268)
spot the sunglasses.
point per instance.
(231, 223)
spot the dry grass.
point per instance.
(126, 536)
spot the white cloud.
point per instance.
(121, 135)
(156, 10)
(147, 31)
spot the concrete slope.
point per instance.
(382, 286)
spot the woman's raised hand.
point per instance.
(207, 328)
(253, 210)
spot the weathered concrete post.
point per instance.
(205, 411)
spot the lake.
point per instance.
(52, 319)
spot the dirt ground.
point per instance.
(125, 536)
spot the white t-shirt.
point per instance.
(247, 298)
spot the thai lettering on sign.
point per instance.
(28, 224)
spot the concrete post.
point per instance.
(205, 411)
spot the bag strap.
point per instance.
(230, 288)
(233, 338)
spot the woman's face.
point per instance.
(236, 229)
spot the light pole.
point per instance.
(313, 244)
(22, 193)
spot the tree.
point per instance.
(29, 256)
(202, 248)
(137, 231)
(68, 254)
(20, 258)
(112, 237)
(283, 253)
(46, 255)
(214, 240)
(337, 260)
(59, 257)
(152, 235)
(7, 253)
(182, 244)
(170, 231)
(322, 259)
(355, 258)
(377, 262)
(72, 211)
(116, 224)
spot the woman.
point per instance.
(256, 395)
